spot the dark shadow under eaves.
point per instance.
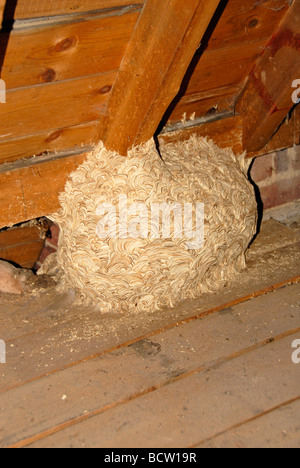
(6, 29)
(260, 205)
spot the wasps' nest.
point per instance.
(147, 274)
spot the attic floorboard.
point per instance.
(206, 372)
(277, 424)
(195, 406)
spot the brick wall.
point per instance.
(277, 176)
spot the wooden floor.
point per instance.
(214, 372)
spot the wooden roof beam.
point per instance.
(162, 46)
(267, 97)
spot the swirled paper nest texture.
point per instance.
(145, 274)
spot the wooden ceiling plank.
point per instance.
(57, 52)
(162, 46)
(267, 97)
(25, 193)
(24, 9)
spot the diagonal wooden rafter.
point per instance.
(162, 46)
(267, 97)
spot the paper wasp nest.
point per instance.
(127, 224)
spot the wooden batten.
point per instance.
(226, 132)
(48, 142)
(32, 190)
